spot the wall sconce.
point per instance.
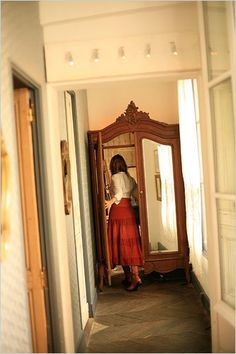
(69, 59)
(173, 48)
(122, 53)
(95, 55)
(5, 199)
(148, 51)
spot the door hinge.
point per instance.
(44, 278)
(31, 114)
(29, 280)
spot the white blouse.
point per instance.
(123, 186)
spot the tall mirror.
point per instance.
(160, 197)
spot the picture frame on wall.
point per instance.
(66, 176)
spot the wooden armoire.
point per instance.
(151, 150)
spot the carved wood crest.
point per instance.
(132, 115)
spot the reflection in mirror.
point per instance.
(160, 196)
(124, 145)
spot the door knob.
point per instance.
(141, 192)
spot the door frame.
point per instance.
(76, 214)
(24, 81)
(222, 314)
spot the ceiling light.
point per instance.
(173, 48)
(148, 51)
(69, 59)
(95, 55)
(122, 53)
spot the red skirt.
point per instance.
(123, 236)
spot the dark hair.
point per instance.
(118, 164)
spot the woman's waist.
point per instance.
(125, 201)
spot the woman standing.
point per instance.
(123, 236)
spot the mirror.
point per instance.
(160, 197)
(123, 144)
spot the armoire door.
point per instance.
(162, 212)
(101, 205)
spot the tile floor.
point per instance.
(163, 316)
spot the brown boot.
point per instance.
(128, 276)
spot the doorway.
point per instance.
(29, 146)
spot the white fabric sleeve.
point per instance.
(116, 181)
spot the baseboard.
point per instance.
(86, 332)
(203, 296)
(92, 307)
(85, 336)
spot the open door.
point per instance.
(219, 92)
(103, 248)
(97, 165)
(102, 211)
(36, 273)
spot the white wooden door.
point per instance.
(217, 43)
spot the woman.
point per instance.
(123, 236)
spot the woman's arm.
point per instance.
(134, 192)
(116, 190)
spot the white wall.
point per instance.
(70, 236)
(22, 44)
(86, 199)
(108, 101)
(62, 306)
(71, 10)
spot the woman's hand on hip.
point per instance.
(108, 203)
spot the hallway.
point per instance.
(163, 316)
(155, 82)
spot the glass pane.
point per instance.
(218, 54)
(223, 135)
(227, 238)
(160, 197)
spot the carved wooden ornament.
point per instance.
(132, 115)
